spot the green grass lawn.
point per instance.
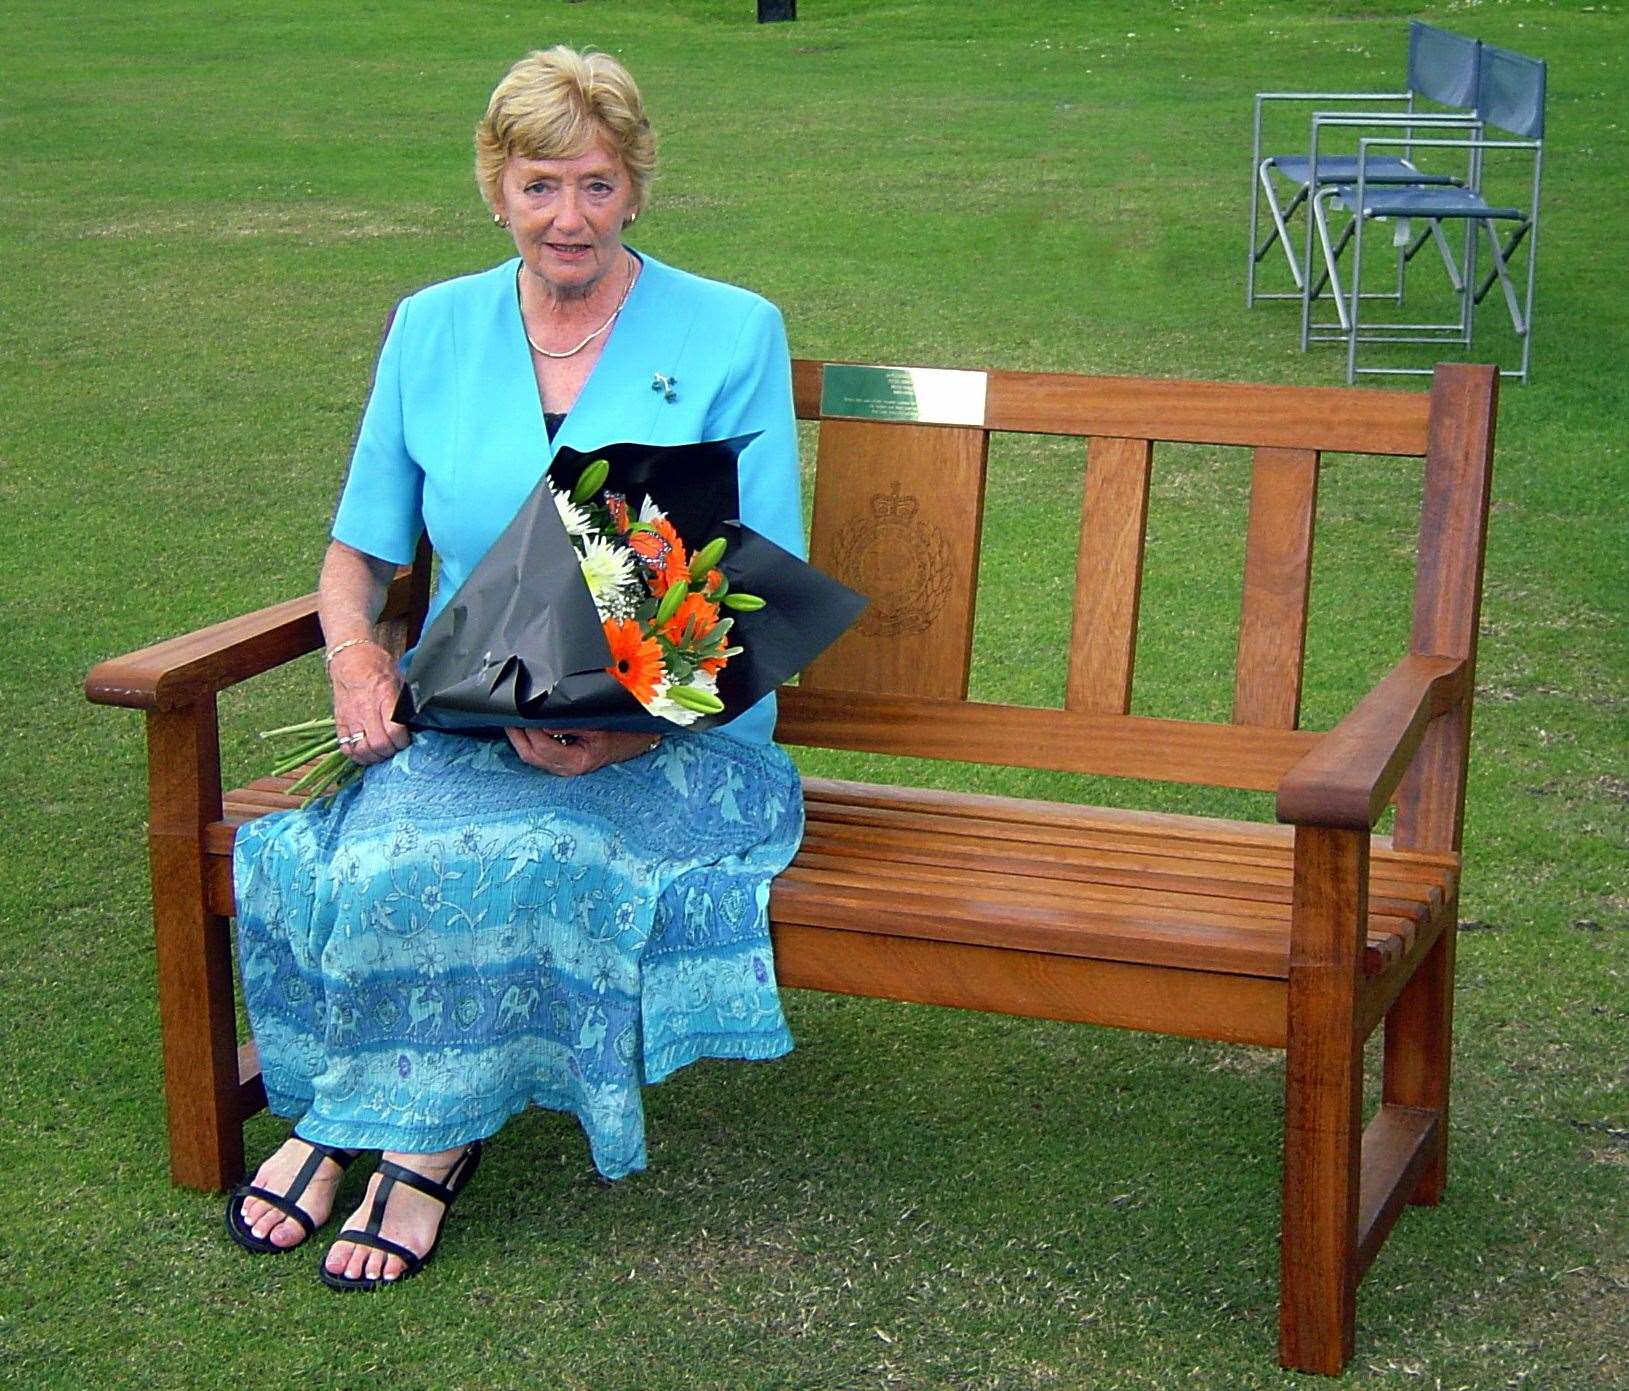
(205, 212)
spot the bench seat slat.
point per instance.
(1260, 878)
(252, 800)
(1163, 874)
(1193, 931)
(1207, 898)
(1268, 863)
(1025, 811)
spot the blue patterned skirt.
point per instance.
(459, 935)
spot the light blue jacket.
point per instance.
(453, 439)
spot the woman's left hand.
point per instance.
(581, 751)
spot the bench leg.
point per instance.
(195, 990)
(1323, 1102)
(1419, 1036)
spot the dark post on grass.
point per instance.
(771, 11)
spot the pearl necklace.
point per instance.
(572, 352)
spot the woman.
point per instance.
(479, 925)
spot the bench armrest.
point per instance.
(182, 670)
(1348, 779)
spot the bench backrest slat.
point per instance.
(898, 514)
(1108, 575)
(1328, 418)
(1021, 736)
(1277, 582)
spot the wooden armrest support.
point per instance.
(181, 670)
(1348, 779)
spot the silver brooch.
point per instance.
(665, 384)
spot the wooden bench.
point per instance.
(1303, 936)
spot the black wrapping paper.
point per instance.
(521, 642)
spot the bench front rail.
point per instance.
(1304, 935)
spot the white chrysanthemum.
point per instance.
(704, 681)
(609, 571)
(575, 519)
(649, 511)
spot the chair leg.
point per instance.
(195, 988)
(195, 1001)
(1281, 231)
(1351, 323)
(1318, 227)
(1419, 1037)
(1323, 1129)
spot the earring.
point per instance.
(499, 219)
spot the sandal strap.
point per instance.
(392, 1173)
(412, 1259)
(444, 1193)
(284, 1203)
(343, 1157)
(314, 1161)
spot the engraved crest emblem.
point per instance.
(899, 561)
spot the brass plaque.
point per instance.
(926, 395)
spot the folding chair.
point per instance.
(1442, 67)
(1510, 98)
(1407, 244)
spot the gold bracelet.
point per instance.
(331, 652)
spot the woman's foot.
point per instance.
(411, 1219)
(278, 1175)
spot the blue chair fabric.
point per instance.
(1415, 201)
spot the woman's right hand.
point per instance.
(366, 683)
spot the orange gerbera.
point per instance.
(661, 552)
(636, 660)
(693, 607)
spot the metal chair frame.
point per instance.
(1510, 98)
(1261, 181)
(1521, 314)
(1458, 274)
(1429, 76)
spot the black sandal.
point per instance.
(286, 1203)
(462, 1171)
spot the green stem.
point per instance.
(326, 722)
(306, 752)
(321, 773)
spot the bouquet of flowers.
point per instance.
(625, 594)
(661, 606)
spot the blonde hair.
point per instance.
(553, 104)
